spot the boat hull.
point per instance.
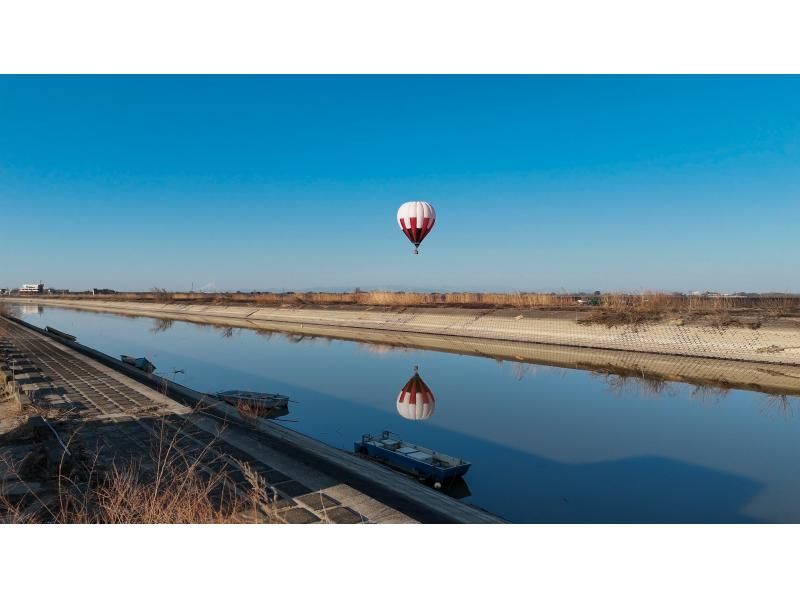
(140, 363)
(235, 397)
(60, 334)
(411, 466)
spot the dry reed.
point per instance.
(652, 300)
(609, 308)
(171, 486)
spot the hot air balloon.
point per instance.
(416, 400)
(416, 219)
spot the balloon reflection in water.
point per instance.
(415, 400)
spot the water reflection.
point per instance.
(457, 488)
(642, 385)
(778, 404)
(161, 325)
(521, 370)
(709, 394)
(415, 401)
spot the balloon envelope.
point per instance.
(416, 219)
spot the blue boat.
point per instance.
(410, 458)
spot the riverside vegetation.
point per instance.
(611, 309)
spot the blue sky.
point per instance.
(540, 183)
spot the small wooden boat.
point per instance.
(416, 460)
(258, 400)
(59, 334)
(141, 363)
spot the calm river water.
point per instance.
(546, 444)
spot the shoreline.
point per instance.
(618, 365)
(774, 342)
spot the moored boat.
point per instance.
(59, 334)
(141, 363)
(261, 404)
(410, 458)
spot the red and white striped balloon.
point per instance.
(416, 400)
(416, 219)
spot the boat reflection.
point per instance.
(415, 401)
(457, 488)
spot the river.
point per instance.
(546, 444)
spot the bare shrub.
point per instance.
(162, 295)
(252, 410)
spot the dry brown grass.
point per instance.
(170, 486)
(162, 295)
(375, 298)
(652, 301)
(611, 309)
(254, 411)
(717, 311)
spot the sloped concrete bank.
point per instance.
(774, 342)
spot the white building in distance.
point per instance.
(32, 288)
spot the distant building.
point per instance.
(103, 292)
(31, 289)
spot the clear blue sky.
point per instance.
(540, 183)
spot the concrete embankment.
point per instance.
(700, 371)
(774, 342)
(102, 404)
